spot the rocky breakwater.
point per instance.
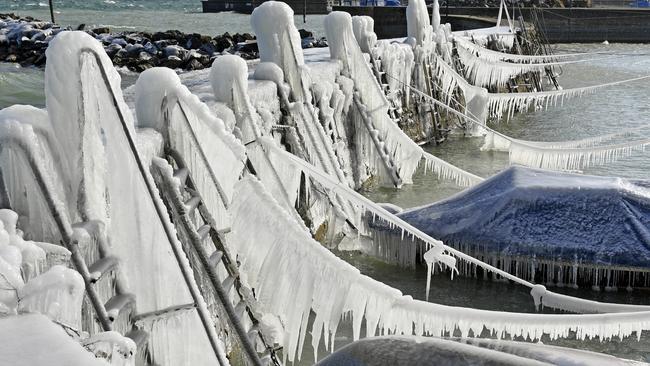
(24, 40)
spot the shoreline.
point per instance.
(23, 40)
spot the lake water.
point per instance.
(608, 110)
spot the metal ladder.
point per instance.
(122, 304)
(192, 287)
(206, 247)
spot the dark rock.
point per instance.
(40, 60)
(209, 47)
(172, 62)
(133, 38)
(307, 42)
(112, 49)
(247, 47)
(321, 43)
(223, 43)
(167, 35)
(134, 49)
(81, 27)
(305, 34)
(102, 30)
(161, 44)
(150, 48)
(194, 64)
(193, 41)
(120, 41)
(177, 51)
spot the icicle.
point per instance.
(491, 55)
(500, 104)
(489, 74)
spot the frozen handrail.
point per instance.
(68, 236)
(160, 211)
(182, 211)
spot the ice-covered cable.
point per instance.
(491, 55)
(487, 73)
(509, 103)
(555, 156)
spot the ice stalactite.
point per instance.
(490, 55)
(447, 171)
(490, 74)
(174, 342)
(476, 98)
(396, 59)
(572, 159)
(23, 148)
(568, 155)
(293, 263)
(500, 104)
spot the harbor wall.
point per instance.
(561, 25)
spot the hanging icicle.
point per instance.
(489, 74)
(569, 155)
(491, 55)
(500, 104)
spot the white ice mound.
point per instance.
(228, 72)
(273, 25)
(33, 339)
(364, 32)
(152, 89)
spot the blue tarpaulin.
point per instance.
(525, 212)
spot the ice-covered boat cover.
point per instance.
(526, 212)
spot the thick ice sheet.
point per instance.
(569, 217)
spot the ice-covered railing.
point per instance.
(566, 155)
(394, 145)
(294, 275)
(230, 73)
(95, 120)
(164, 104)
(499, 104)
(540, 294)
(279, 43)
(490, 55)
(509, 103)
(489, 74)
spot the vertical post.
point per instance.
(304, 12)
(51, 11)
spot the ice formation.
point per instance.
(561, 155)
(490, 74)
(417, 20)
(491, 55)
(279, 265)
(33, 339)
(500, 104)
(364, 31)
(398, 156)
